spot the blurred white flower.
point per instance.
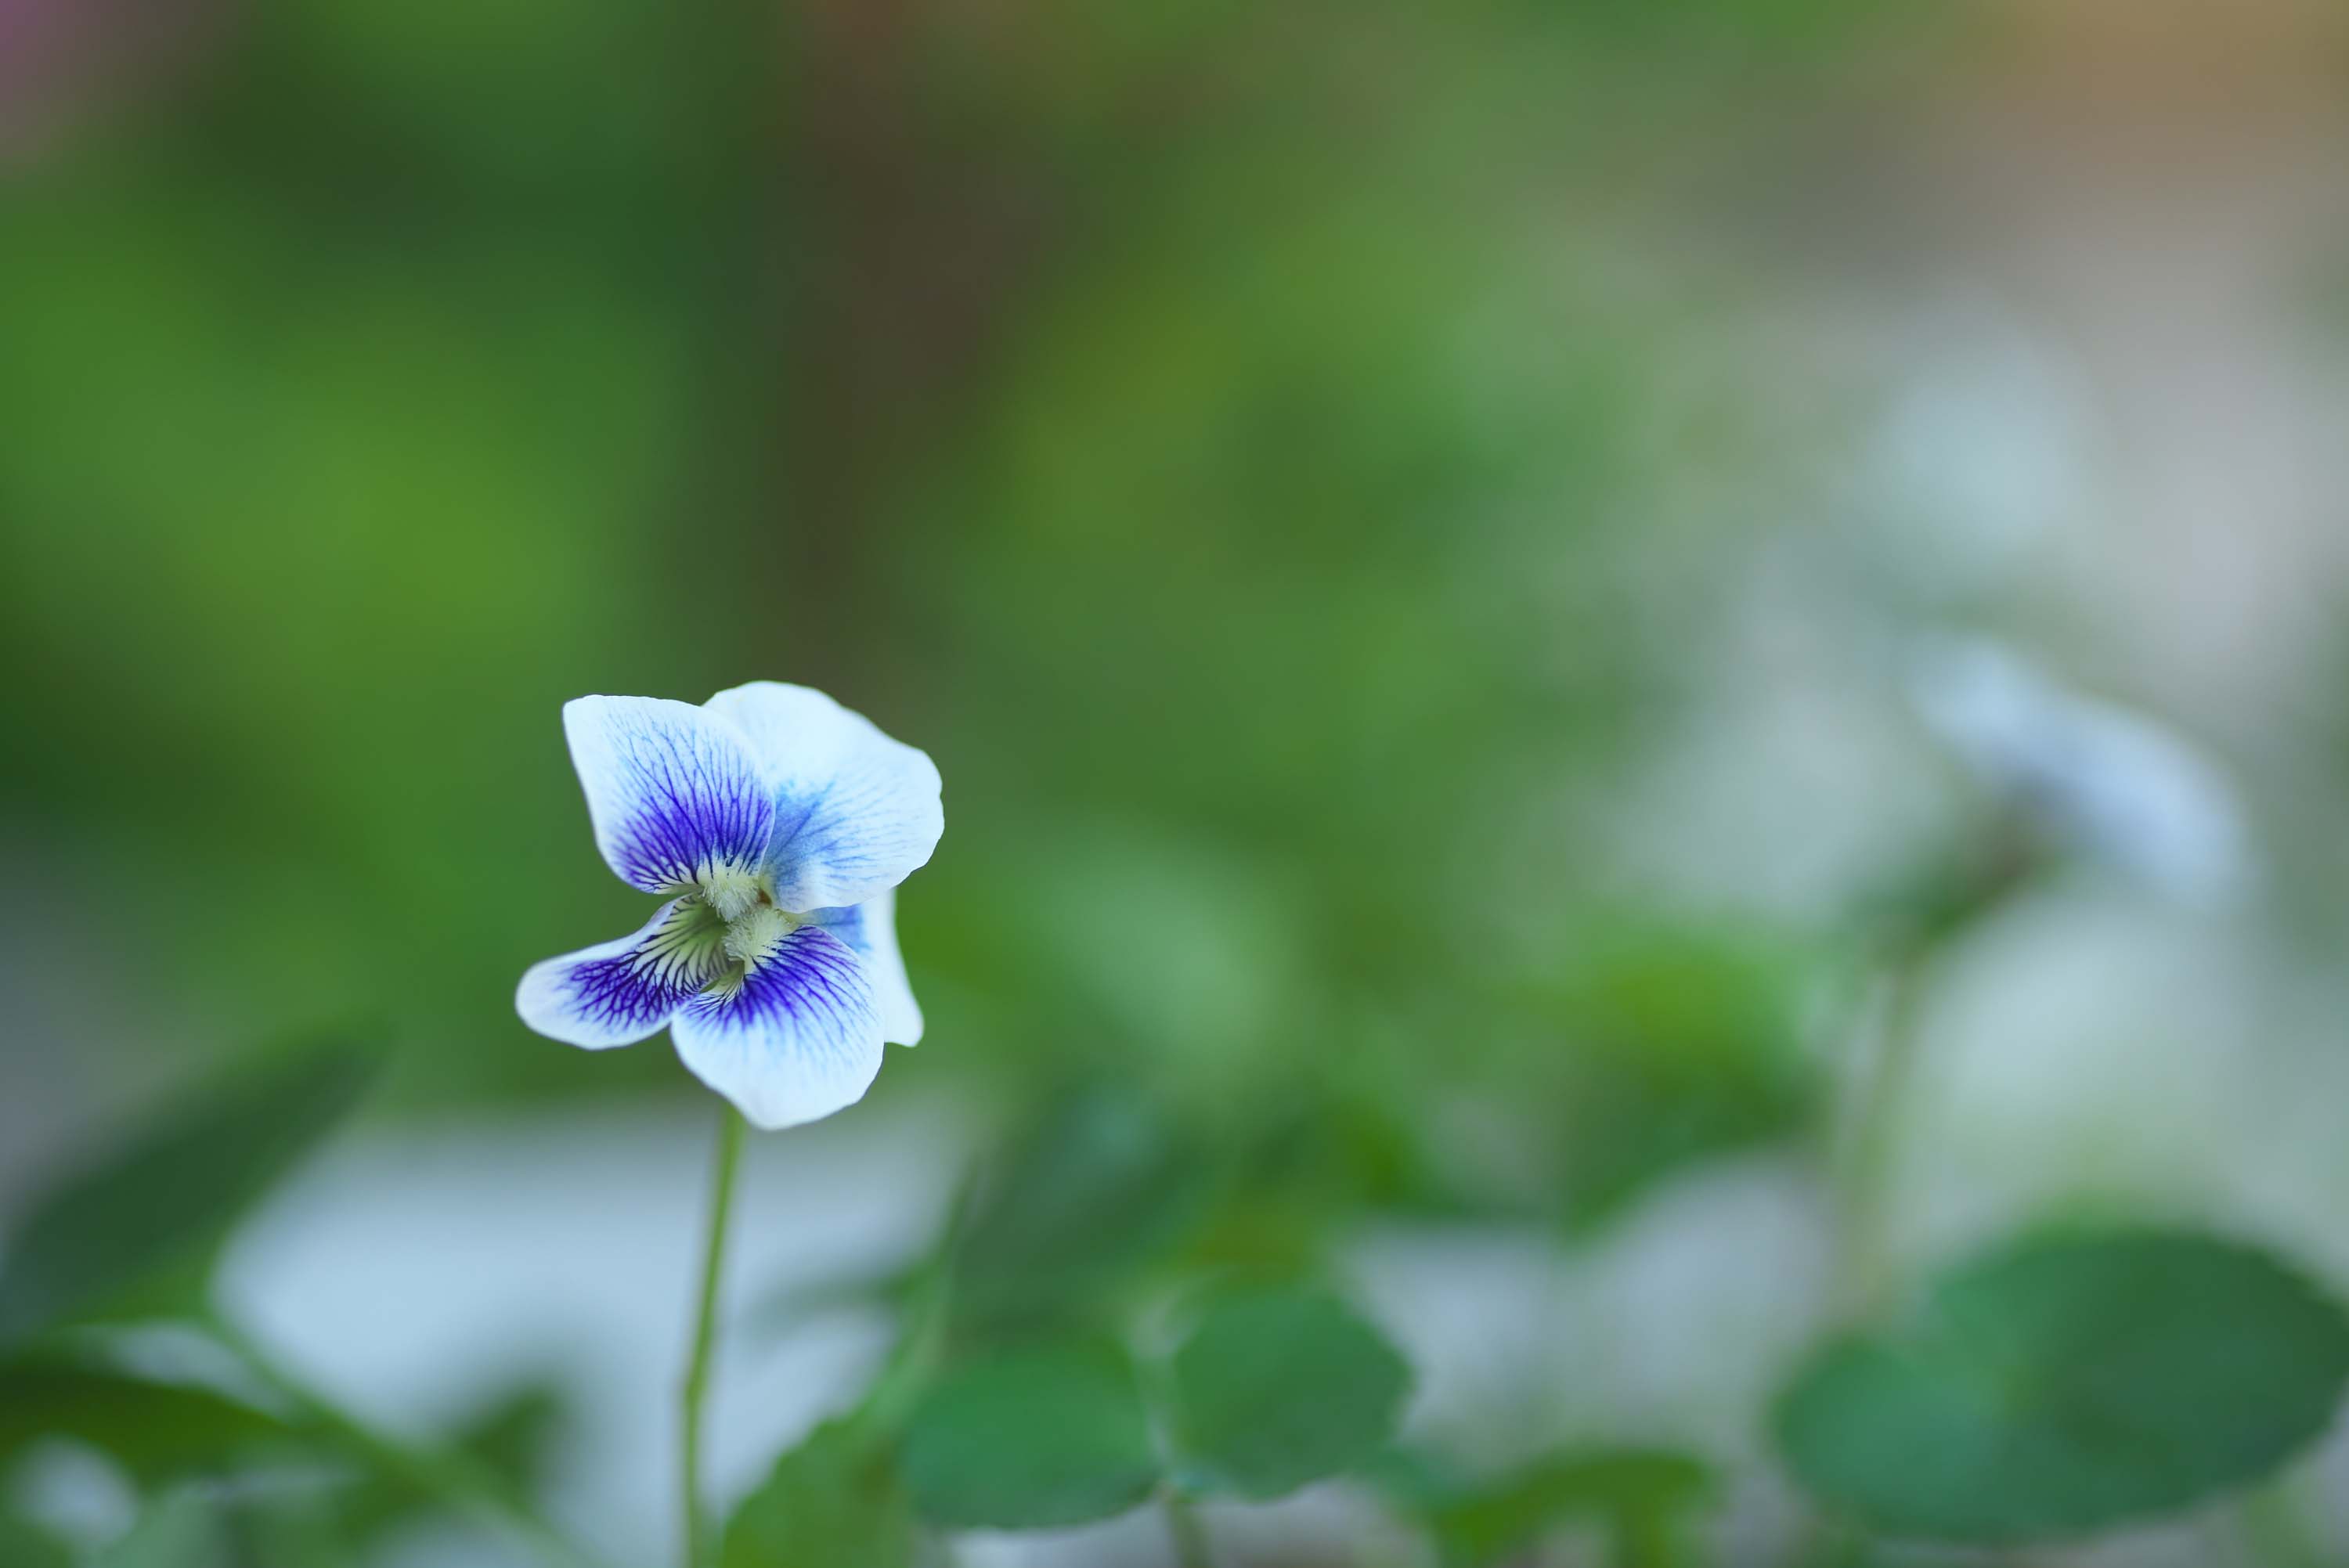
(777, 824)
(2099, 778)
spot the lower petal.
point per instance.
(617, 993)
(870, 931)
(798, 1038)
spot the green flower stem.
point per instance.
(458, 1480)
(1867, 1135)
(697, 1544)
(1887, 1072)
(1192, 1547)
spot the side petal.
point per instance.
(675, 791)
(870, 931)
(798, 1039)
(856, 812)
(617, 993)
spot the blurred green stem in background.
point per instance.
(1886, 1068)
(705, 1334)
(1192, 1549)
(456, 1479)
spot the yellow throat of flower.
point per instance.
(757, 933)
(733, 890)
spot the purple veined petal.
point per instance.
(870, 931)
(798, 1039)
(674, 791)
(617, 993)
(856, 812)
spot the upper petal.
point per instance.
(798, 1038)
(856, 812)
(617, 993)
(674, 791)
(870, 931)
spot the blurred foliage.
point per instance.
(1143, 413)
(1273, 1388)
(1681, 1043)
(1268, 1389)
(1233, 441)
(510, 1436)
(198, 1422)
(2058, 1384)
(834, 1498)
(1097, 1191)
(1138, 409)
(181, 1530)
(121, 1234)
(159, 1432)
(1640, 1498)
(2066, 1384)
(28, 1545)
(1033, 1438)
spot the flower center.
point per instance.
(733, 891)
(718, 935)
(744, 903)
(756, 934)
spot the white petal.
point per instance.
(617, 993)
(799, 1039)
(2106, 780)
(674, 791)
(870, 930)
(856, 812)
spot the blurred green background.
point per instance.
(1222, 438)
(1401, 526)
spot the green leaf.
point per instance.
(510, 1436)
(181, 1530)
(833, 1500)
(23, 1544)
(1276, 1387)
(1680, 1047)
(1636, 1494)
(1099, 1187)
(2061, 1385)
(167, 1196)
(1031, 1439)
(157, 1430)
